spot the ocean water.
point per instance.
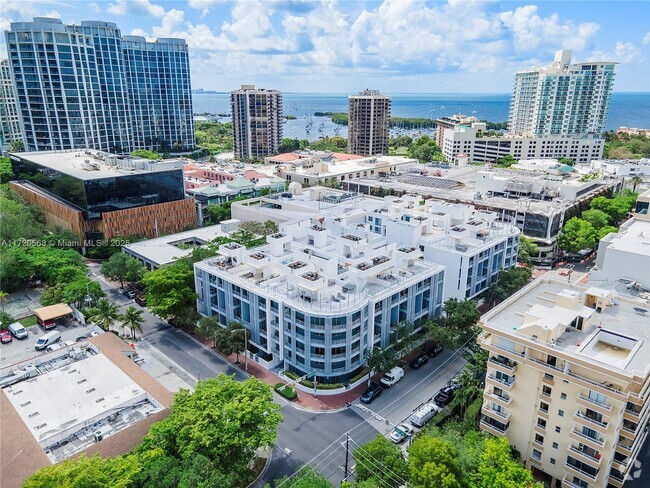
(627, 109)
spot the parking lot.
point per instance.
(23, 349)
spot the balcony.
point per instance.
(501, 383)
(503, 400)
(632, 414)
(602, 408)
(497, 430)
(616, 478)
(592, 460)
(624, 448)
(629, 429)
(542, 413)
(615, 482)
(500, 416)
(567, 482)
(577, 435)
(504, 365)
(583, 419)
(576, 471)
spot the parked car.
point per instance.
(392, 377)
(140, 300)
(444, 396)
(81, 338)
(434, 350)
(419, 361)
(47, 340)
(18, 331)
(128, 293)
(5, 336)
(374, 390)
(400, 433)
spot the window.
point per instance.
(537, 455)
(558, 429)
(563, 396)
(552, 460)
(597, 397)
(555, 445)
(539, 439)
(546, 390)
(560, 413)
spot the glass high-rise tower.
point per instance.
(562, 99)
(85, 85)
(9, 123)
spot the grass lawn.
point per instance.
(28, 321)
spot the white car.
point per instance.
(400, 433)
(392, 377)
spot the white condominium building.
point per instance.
(320, 294)
(562, 99)
(368, 123)
(256, 122)
(9, 122)
(568, 381)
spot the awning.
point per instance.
(52, 312)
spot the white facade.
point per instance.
(256, 121)
(469, 242)
(9, 122)
(622, 167)
(469, 140)
(320, 294)
(562, 99)
(626, 255)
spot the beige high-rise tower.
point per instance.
(256, 121)
(568, 381)
(368, 123)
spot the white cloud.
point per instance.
(136, 7)
(646, 39)
(626, 52)
(530, 31)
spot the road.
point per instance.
(304, 437)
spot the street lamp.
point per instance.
(245, 345)
(88, 297)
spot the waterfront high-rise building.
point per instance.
(562, 99)
(368, 123)
(567, 381)
(9, 122)
(256, 121)
(81, 86)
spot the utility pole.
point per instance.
(347, 454)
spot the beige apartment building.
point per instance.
(256, 122)
(368, 123)
(568, 381)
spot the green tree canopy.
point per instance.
(425, 150)
(224, 420)
(307, 477)
(576, 235)
(104, 314)
(146, 154)
(122, 267)
(133, 319)
(527, 249)
(432, 464)
(382, 461)
(461, 314)
(603, 231)
(497, 469)
(597, 218)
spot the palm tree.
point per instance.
(636, 180)
(3, 299)
(104, 314)
(468, 391)
(132, 318)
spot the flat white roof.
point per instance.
(55, 404)
(164, 250)
(635, 239)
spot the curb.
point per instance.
(207, 348)
(264, 470)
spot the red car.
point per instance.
(5, 337)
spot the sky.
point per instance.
(396, 46)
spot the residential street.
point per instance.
(305, 437)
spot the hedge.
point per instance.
(286, 391)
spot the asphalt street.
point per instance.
(304, 437)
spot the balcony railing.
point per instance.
(599, 442)
(568, 482)
(508, 384)
(509, 365)
(582, 472)
(595, 403)
(503, 398)
(582, 416)
(488, 410)
(595, 458)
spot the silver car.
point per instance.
(400, 433)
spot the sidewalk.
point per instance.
(305, 400)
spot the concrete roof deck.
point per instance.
(621, 319)
(71, 163)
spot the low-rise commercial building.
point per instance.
(100, 195)
(536, 203)
(89, 397)
(568, 381)
(622, 167)
(154, 253)
(625, 255)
